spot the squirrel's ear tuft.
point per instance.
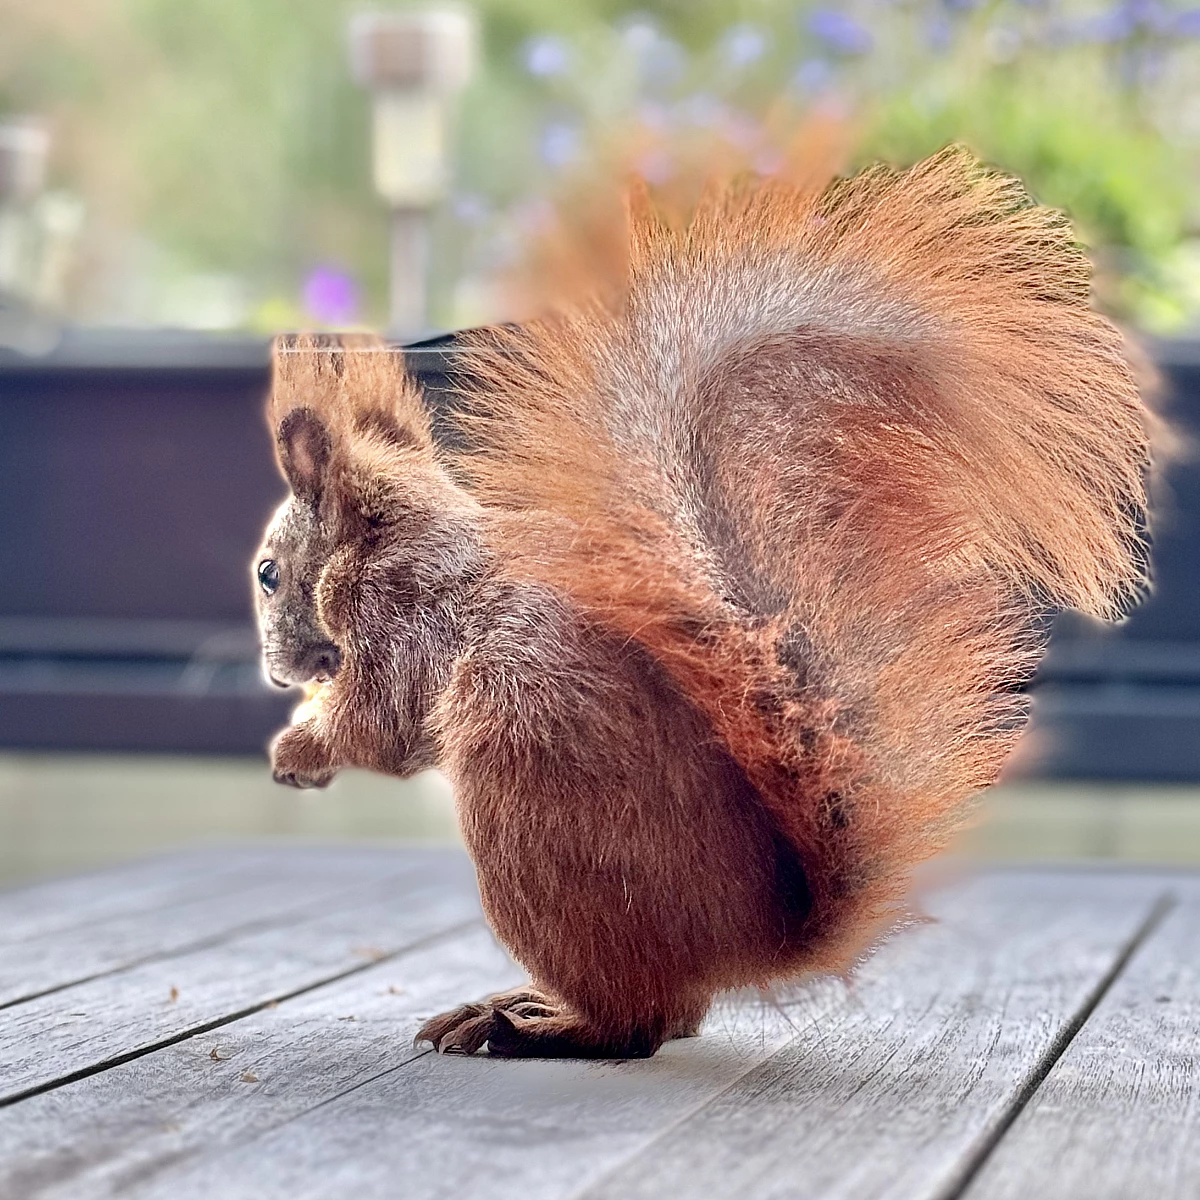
(305, 448)
(390, 425)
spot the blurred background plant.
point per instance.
(218, 151)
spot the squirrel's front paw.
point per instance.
(299, 760)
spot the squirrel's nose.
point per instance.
(322, 661)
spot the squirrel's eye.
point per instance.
(268, 575)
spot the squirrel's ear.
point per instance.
(389, 425)
(305, 448)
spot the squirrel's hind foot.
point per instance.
(465, 1029)
(527, 1024)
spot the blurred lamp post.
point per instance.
(415, 64)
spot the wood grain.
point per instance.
(455, 1127)
(909, 1084)
(114, 1133)
(127, 1012)
(263, 893)
(1118, 1115)
(1044, 1027)
(47, 908)
(881, 1091)
(87, 901)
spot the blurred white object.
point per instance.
(24, 149)
(38, 231)
(57, 218)
(415, 64)
(208, 300)
(410, 152)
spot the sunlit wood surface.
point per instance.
(239, 1022)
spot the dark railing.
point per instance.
(136, 477)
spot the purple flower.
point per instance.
(1112, 26)
(470, 209)
(840, 32)
(1149, 14)
(331, 296)
(742, 45)
(813, 75)
(1186, 23)
(1140, 64)
(939, 33)
(1123, 21)
(546, 55)
(660, 62)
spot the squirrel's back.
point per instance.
(830, 459)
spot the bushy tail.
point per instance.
(829, 459)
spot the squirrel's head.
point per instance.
(352, 440)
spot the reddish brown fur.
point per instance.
(727, 632)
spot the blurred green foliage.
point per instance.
(226, 137)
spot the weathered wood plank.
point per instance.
(78, 1028)
(908, 1086)
(479, 1127)
(264, 892)
(886, 1090)
(61, 904)
(1118, 1115)
(113, 1133)
(86, 901)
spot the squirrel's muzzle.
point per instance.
(317, 663)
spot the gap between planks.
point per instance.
(974, 1165)
(42, 1046)
(250, 1010)
(112, 1134)
(1119, 1113)
(272, 900)
(1124, 946)
(546, 1130)
(730, 1145)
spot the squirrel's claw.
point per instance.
(527, 1024)
(470, 1035)
(299, 760)
(438, 1029)
(304, 782)
(465, 1029)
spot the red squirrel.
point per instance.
(720, 620)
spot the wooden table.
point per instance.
(239, 1023)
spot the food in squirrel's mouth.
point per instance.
(308, 707)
